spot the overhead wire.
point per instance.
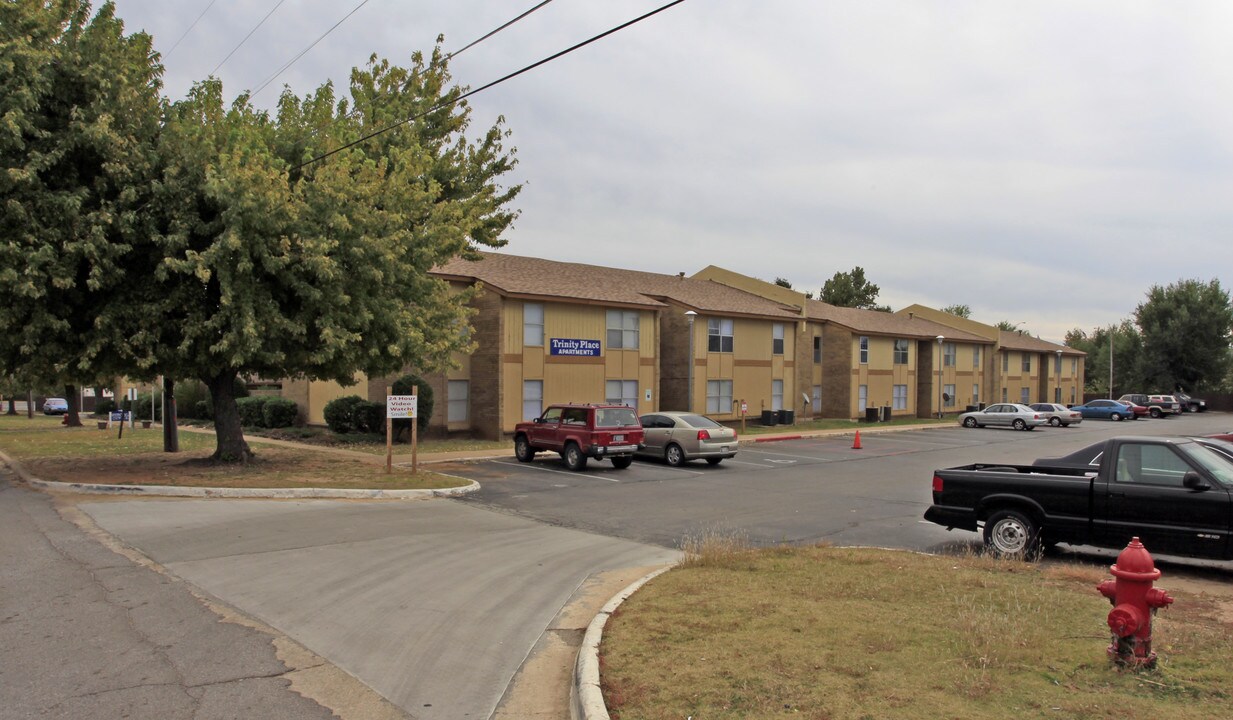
(190, 29)
(303, 52)
(246, 37)
(494, 32)
(494, 83)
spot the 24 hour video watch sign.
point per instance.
(572, 346)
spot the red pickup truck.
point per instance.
(579, 432)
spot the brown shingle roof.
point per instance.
(550, 279)
(1012, 340)
(874, 322)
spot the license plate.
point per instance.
(618, 438)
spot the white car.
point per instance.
(1058, 415)
(1019, 417)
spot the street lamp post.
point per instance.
(1058, 371)
(940, 339)
(689, 316)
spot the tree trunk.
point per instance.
(227, 429)
(73, 417)
(12, 406)
(171, 431)
(30, 404)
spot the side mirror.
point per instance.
(538, 420)
(1195, 481)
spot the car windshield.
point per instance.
(615, 417)
(699, 421)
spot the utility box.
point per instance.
(872, 414)
(787, 417)
(770, 418)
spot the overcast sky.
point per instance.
(1043, 162)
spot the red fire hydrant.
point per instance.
(1134, 603)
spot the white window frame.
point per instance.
(458, 406)
(976, 356)
(976, 394)
(901, 350)
(777, 394)
(899, 397)
(1025, 394)
(532, 399)
(722, 332)
(621, 392)
(1003, 394)
(1005, 362)
(864, 346)
(948, 354)
(623, 329)
(533, 325)
(777, 343)
(719, 397)
(862, 398)
(1027, 362)
(817, 348)
(948, 395)
(817, 398)
(1057, 395)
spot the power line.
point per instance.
(301, 54)
(246, 37)
(190, 29)
(494, 32)
(494, 83)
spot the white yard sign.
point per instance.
(401, 406)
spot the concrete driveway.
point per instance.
(433, 604)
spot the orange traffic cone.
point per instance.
(856, 444)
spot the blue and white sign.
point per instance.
(120, 415)
(572, 346)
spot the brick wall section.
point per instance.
(803, 368)
(674, 358)
(836, 372)
(487, 387)
(926, 377)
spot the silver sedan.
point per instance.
(1019, 417)
(678, 437)
(1058, 415)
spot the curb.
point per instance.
(277, 493)
(586, 700)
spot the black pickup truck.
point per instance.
(1176, 494)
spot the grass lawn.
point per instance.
(828, 633)
(86, 454)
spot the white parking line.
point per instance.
(544, 469)
(798, 457)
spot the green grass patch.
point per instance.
(853, 633)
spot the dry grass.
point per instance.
(87, 454)
(833, 633)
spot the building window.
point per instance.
(1003, 394)
(1005, 364)
(817, 398)
(532, 399)
(777, 394)
(1074, 367)
(862, 398)
(817, 348)
(621, 392)
(975, 393)
(1027, 363)
(623, 329)
(901, 352)
(718, 335)
(1057, 365)
(900, 395)
(1072, 395)
(976, 356)
(777, 339)
(719, 396)
(948, 396)
(864, 350)
(459, 392)
(1057, 395)
(948, 354)
(1024, 395)
(533, 326)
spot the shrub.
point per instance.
(279, 412)
(104, 406)
(423, 410)
(252, 411)
(188, 394)
(202, 410)
(368, 417)
(141, 407)
(339, 413)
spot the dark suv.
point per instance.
(579, 432)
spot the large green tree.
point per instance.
(853, 290)
(1187, 329)
(1126, 346)
(266, 264)
(79, 110)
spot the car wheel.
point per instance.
(714, 461)
(620, 463)
(674, 455)
(1154, 412)
(969, 422)
(523, 450)
(1010, 533)
(1018, 424)
(1055, 422)
(1116, 417)
(574, 459)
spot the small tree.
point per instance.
(963, 311)
(851, 289)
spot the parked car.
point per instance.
(678, 437)
(55, 406)
(1019, 417)
(1104, 409)
(579, 432)
(1190, 404)
(1088, 458)
(1157, 405)
(1057, 415)
(1174, 493)
(1139, 411)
